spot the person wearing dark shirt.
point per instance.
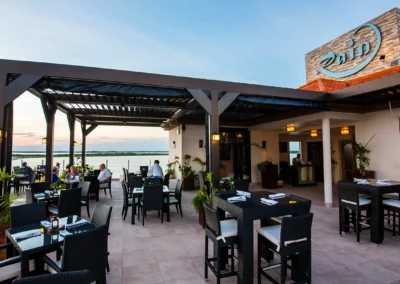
(54, 176)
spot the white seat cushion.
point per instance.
(362, 201)
(392, 202)
(228, 228)
(14, 270)
(272, 233)
(393, 195)
(279, 219)
(172, 199)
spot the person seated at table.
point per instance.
(105, 174)
(155, 171)
(54, 176)
(73, 175)
(26, 170)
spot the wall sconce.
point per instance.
(264, 144)
(173, 142)
(345, 130)
(290, 128)
(314, 133)
(75, 143)
(200, 143)
(224, 133)
(1, 133)
(44, 140)
(239, 135)
(215, 137)
(81, 144)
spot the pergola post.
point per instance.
(7, 137)
(214, 145)
(71, 123)
(83, 126)
(326, 144)
(49, 110)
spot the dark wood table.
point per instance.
(44, 243)
(46, 196)
(248, 211)
(138, 193)
(376, 192)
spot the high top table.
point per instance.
(253, 209)
(376, 191)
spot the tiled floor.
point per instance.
(174, 252)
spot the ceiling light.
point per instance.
(345, 130)
(314, 133)
(290, 128)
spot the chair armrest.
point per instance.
(47, 260)
(4, 246)
(9, 261)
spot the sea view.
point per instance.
(114, 160)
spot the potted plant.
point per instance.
(361, 161)
(202, 172)
(204, 195)
(171, 170)
(269, 174)
(187, 173)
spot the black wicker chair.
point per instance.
(290, 239)
(166, 180)
(241, 184)
(29, 196)
(76, 277)
(85, 198)
(27, 214)
(135, 182)
(69, 203)
(152, 181)
(106, 185)
(224, 236)
(83, 251)
(94, 186)
(101, 217)
(128, 202)
(152, 200)
(39, 187)
(144, 170)
(11, 267)
(176, 199)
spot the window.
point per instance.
(294, 149)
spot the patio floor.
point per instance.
(174, 252)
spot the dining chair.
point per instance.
(106, 185)
(166, 180)
(224, 236)
(96, 172)
(128, 202)
(94, 186)
(39, 187)
(76, 277)
(29, 196)
(27, 214)
(152, 200)
(101, 217)
(134, 182)
(241, 184)
(144, 170)
(124, 175)
(83, 251)
(152, 181)
(11, 267)
(393, 208)
(291, 238)
(350, 200)
(176, 199)
(85, 198)
(69, 203)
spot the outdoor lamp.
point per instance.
(81, 144)
(224, 133)
(215, 137)
(290, 128)
(1, 133)
(44, 140)
(314, 133)
(345, 130)
(75, 143)
(239, 135)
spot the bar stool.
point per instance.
(291, 238)
(224, 235)
(392, 205)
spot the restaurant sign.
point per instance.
(362, 50)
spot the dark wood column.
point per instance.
(7, 137)
(214, 145)
(3, 82)
(49, 110)
(71, 123)
(84, 133)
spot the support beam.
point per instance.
(226, 101)
(91, 128)
(214, 145)
(202, 99)
(326, 140)
(84, 133)
(71, 122)
(3, 82)
(7, 137)
(49, 110)
(18, 86)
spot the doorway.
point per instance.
(346, 158)
(315, 156)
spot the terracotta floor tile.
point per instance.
(179, 270)
(139, 257)
(142, 274)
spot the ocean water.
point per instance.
(114, 163)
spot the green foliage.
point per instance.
(262, 165)
(201, 163)
(361, 154)
(62, 175)
(185, 168)
(5, 203)
(203, 196)
(5, 177)
(333, 161)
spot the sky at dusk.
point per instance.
(261, 42)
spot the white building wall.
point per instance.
(385, 146)
(191, 136)
(175, 150)
(258, 155)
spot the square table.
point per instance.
(138, 193)
(376, 191)
(42, 244)
(45, 196)
(248, 211)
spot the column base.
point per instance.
(329, 205)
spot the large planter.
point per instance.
(202, 218)
(188, 183)
(3, 228)
(269, 177)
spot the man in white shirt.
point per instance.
(155, 171)
(105, 174)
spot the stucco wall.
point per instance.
(191, 136)
(258, 155)
(177, 150)
(385, 146)
(387, 23)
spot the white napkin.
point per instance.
(76, 224)
(45, 224)
(361, 181)
(268, 201)
(65, 233)
(243, 193)
(138, 189)
(277, 195)
(236, 199)
(27, 235)
(383, 182)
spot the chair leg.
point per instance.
(218, 263)
(340, 220)
(109, 189)
(232, 261)
(180, 209)
(123, 210)
(162, 217)
(126, 212)
(144, 212)
(309, 267)
(394, 224)
(388, 217)
(206, 257)
(87, 208)
(105, 192)
(107, 266)
(283, 269)
(176, 206)
(358, 227)
(258, 259)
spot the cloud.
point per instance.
(25, 134)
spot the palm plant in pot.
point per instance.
(187, 173)
(360, 159)
(171, 170)
(6, 201)
(204, 195)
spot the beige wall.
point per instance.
(177, 150)
(191, 136)
(385, 146)
(388, 24)
(258, 155)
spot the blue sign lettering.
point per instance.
(362, 50)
